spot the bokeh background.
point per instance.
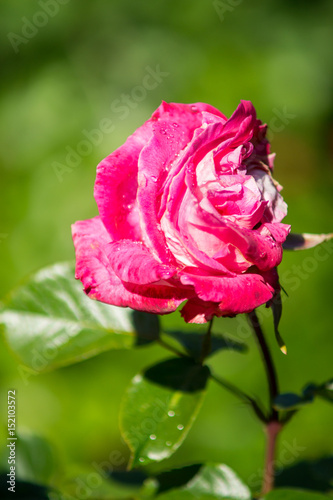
(65, 71)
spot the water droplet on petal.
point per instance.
(175, 125)
(180, 427)
(152, 437)
(171, 413)
(153, 178)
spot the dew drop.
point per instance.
(153, 178)
(180, 427)
(168, 443)
(171, 413)
(152, 437)
(141, 459)
(175, 125)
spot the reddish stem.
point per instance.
(272, 430)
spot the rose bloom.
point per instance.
(188, 210)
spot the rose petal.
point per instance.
(132, 262)
(239, 294)
(198, 311)
(116, 186)
(169, 138)
(101, 283)
(241, 124)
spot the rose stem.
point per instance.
(273, 425)
(170, 348)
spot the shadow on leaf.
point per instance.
(179, 374)
(315, 475)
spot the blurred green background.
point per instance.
(65, 71)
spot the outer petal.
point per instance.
(263, 288)
(101, 283)
(198, 311)
(117, 175)
(241, 124)
(116, 186)
(132, 262)
(239, 294)
(171, 135)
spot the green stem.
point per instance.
(170, 348)
(273, 426)
(268, 364)
(207, 343)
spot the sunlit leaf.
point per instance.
(206, 482)
(97, 485)
(50, 322)
(160, 406)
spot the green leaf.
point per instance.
(192, 342)
(284, 494)
(290, 401)
(159, 408)
(35, 460)
(209, 482)
(24, 490)
(304, 241)
(324, 390)
(50, 322)
(276, 305)
(97, 483)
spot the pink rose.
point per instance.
(189, 210)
